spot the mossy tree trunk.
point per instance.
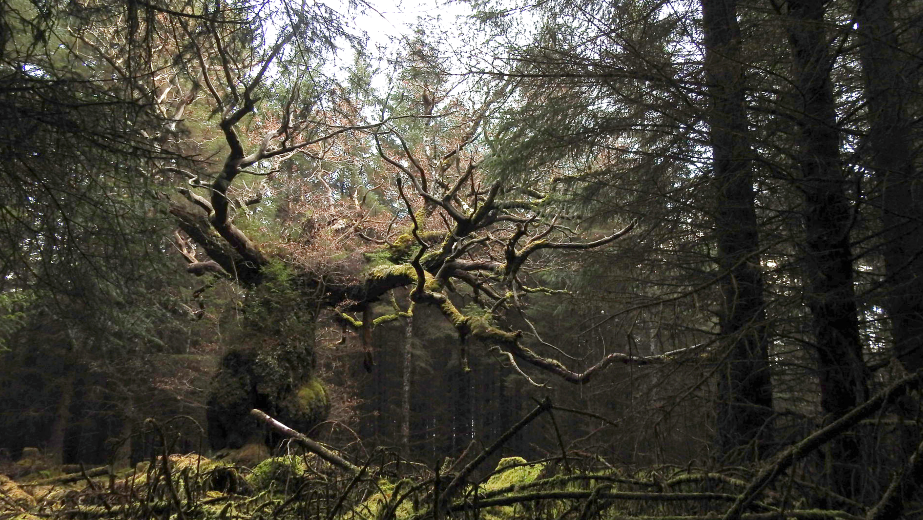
(273, 366)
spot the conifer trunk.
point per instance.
(892, 163)
(828, 270)
(407, 374)
(744, 384)
(56, 443)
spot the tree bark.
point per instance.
(891, 161)
(828, 271)
(407, 374)
(56, 443)
(461, 418)
(744, 384)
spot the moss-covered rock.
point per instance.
(309, 404)
(511, 473)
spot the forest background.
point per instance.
(695, 226)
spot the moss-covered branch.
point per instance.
(585, 494)
(479, 328)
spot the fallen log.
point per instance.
(70, 477)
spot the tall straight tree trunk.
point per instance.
(828, 270)
(62, 420)
(891, 160)
(744, 384)
(407, 374)
(461, 419)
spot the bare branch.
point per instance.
(417, 267)
(306, 442)
(515, 260)
(196, 199)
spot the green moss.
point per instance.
(212, 475)
(353, 322)
(268, 376)
(406, 246)
(281, 472)
(456, 318)
(390, 271)
(432, 284)
(405, 272)
(14, 494)
(313, 394)
(388, 492)
(513, 471)
(402, 247)
(510, 462)
(387, 318)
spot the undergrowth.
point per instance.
(320, 484)
(302, 486)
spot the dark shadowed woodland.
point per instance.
(633, 259)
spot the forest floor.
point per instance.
(301, 485)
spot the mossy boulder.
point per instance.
(511, 473)
(308, 405)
